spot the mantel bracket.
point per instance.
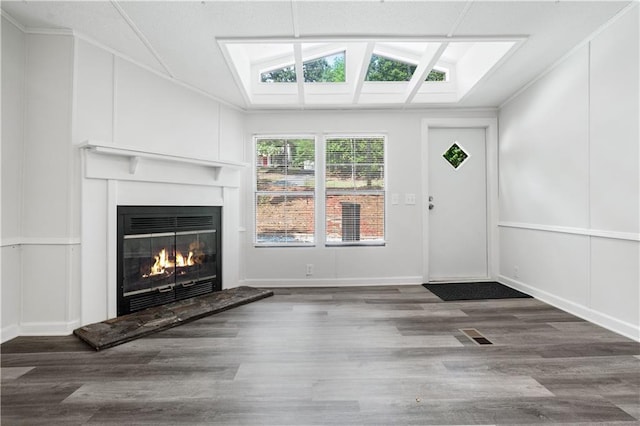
(133, 164)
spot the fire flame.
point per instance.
(162, 262)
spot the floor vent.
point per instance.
(475, 336)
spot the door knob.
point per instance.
(431, 206)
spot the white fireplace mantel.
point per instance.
(115, 176)
(134, 157)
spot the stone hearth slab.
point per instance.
(109, 333)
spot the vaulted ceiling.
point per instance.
(185, 39)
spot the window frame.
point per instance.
(256, 192)
(384, 191)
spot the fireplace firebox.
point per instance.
(167, 253)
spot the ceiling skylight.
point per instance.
(361, 72)
(436, 75)
(386, 69)
(279, 75)
(326, 69)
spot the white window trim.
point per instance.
(255, 191)
(320, 191)
(353, 135)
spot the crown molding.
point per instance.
(13, 21)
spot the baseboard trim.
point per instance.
(332, 282)
(9, 332)
(603, 320)
(48, 328)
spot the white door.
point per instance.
(457, 214)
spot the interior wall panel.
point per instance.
(581, 120)
(94, 94)
(11, 291)
(47, 136)
(157, 115)
(544, 149)
(11, 157)
(614, 128)
(13, 60)
(615, 278)
(231, 134)
(554, 263)
(44, 295)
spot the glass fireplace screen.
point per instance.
(163, 260)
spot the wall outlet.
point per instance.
(309, 269)
(516, 272)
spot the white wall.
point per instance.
(570, 182)
(400, 261)
(13, 70)
(59, 203)
(123, 105)
(40, 168)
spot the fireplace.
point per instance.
(167, 253)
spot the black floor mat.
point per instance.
(473, 291)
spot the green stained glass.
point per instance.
(455, 156)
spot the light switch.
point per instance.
(410, 199)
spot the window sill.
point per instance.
(357, 244)
(282, 245)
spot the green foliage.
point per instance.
(455, 156)
(300, 150)
(331, 69)
(385, 69)
(328, 69)
(280, 75)
(356, 159)
(269, 147)
(435, 75)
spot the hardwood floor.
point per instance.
(336, 356)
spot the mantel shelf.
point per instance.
(134, 157)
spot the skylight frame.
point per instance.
(354, 92)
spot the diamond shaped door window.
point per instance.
(455, 155)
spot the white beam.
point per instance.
(363, 65)
(297, 53)
(429, 58)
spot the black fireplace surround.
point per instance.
(167, 253)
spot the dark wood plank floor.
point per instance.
(374, 355)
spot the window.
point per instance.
(354, 187)
(385, 69)
(455, 155)
(328, 69)
(280, 75)
(299, 72)
(436, 75)
(285, 191)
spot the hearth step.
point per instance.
(109, 333)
